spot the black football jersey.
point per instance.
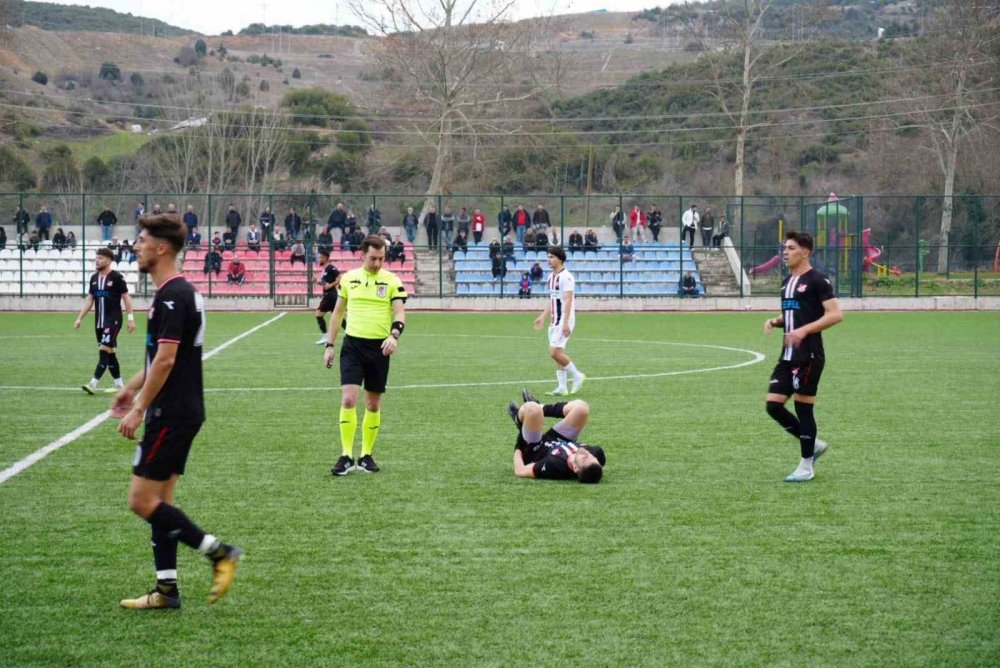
(177, 315)
(802, 300)
(107, 291)
(330, 274)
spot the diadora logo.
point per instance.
(801, 288)
(169, 305)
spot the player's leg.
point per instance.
(574, 418)
(348, 427)
(806, 383)
(112, 348)
(564, 366)
(103, 361)
(376, 378)
(532, 420)
(321, 322)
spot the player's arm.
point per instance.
(522, 470)
(87, 305)
(159, 371)
(831, 316)
(130, 317)
(331, 335)
(771, 323)
(569, 309)
(540, 320)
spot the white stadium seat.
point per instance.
(44, 276)
(7, 277)
(6, 253)
(29, 254)
(66, 253)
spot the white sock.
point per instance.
(561, 378)
(94, 382)
(572, 370)
(119, 383)
(806, 464)
(208, 544)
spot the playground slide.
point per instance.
(767, 266)
(872, 253)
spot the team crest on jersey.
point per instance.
(801, 288)
(381, 290)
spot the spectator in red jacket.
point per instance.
(478, 225)
(521, 221)
(637, 222)
(237, 271)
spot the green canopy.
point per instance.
(831, 209)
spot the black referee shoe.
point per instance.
(512, 409)
(368, 464)
(343, 466)
(528, 396)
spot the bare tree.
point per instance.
(948, 90)
(462, 59)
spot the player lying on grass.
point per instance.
(555, 454)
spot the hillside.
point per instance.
(49, 16)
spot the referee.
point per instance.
(373, 300)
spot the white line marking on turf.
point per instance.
(41, 453)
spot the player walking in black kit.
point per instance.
(331, 282)
(107, 292)
(808, 306)
(168, 396)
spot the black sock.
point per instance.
(784, 417)
(321, 321)
(807, 431)
(174, 522)
(165, 559)
(102, 364)
(554, 410)
(113, 367)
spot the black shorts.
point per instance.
(799, 377)
(163, 450)
(362, 363)
(108, 336)
(328, 302)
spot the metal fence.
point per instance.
(889, 245)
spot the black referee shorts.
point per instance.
(108, 336)
(362, 363)
(798, 377)
(328, 302)
(163, 450)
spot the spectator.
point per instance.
(213, 261)
(590, 241)
(70, 238)
(228, 240)
(529, 241)
(58, 239)
(156, 209)
(637, 222)
(280, 243)
(357, 239)
(267, 220)
(298, 253)
(536, 273)
(125, 252)
(689, 287)
(325, 241)
(410, 224)
(463, 221)
(346, 239)
(524, 287)
(237, 271)
(627, 250)
(253, 238)
(505, 222)
(351, 222)
(337, 219)
(478, 226)
(432, 227)
(495, 250)
(32, 242)
(460, 243)
(689, 222)
(140, 211)
(384, 233)
(190, 218)
(575, 241)
(217, 241)
(508, 249)
(234, 220)
(397, 250)
(21, 220)
(194, 238)
(554, 237)
(374, 219)
(540, 219)
(114, 245)
(655, 218)
(522, 221)
(498, 265)
(618, 223)
(171, 208)
(107, 220)
(707, 227)
(541, 240)
(447, 224)
(43, 223)
(3, 237)
(721, 233)
(293, 223)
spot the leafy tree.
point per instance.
(315, 106)
(110, 72)
(340, 168)
(14, 169)
(296, 74)
(95, 174)
(264, 86)
(137, 80)
(60, 173)
(201, 48)
(243, 89)
(40, 78)
(354, 136)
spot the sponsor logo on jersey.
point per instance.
(801, 288)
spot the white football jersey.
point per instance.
(560, 284)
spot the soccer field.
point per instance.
(691, 551)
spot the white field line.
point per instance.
(41, 453)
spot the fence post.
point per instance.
(975, 255)
(916, 246)
(440, 254)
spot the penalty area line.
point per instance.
(97, 420)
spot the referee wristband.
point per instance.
(397, 326)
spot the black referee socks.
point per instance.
(113, 367)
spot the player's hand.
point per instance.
(539, 321)
(76, 324)
(768, 326)
(328, 357)
(795, 338)
(122, 403)
(131, 326)
(565, 329)
(389, 345)
(130, 424)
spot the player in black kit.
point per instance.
(556, 454)
(330, 281)
(168, 396)
(107, 292)
(808, 306)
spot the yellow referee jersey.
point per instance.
(368, 298)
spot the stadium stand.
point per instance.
(655, 271)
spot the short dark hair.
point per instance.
(372, 241)
(166, 227)
(325, 253)
(801, 238)
(106, 252)
(598, 453)
(558, 252)
(590, 474)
